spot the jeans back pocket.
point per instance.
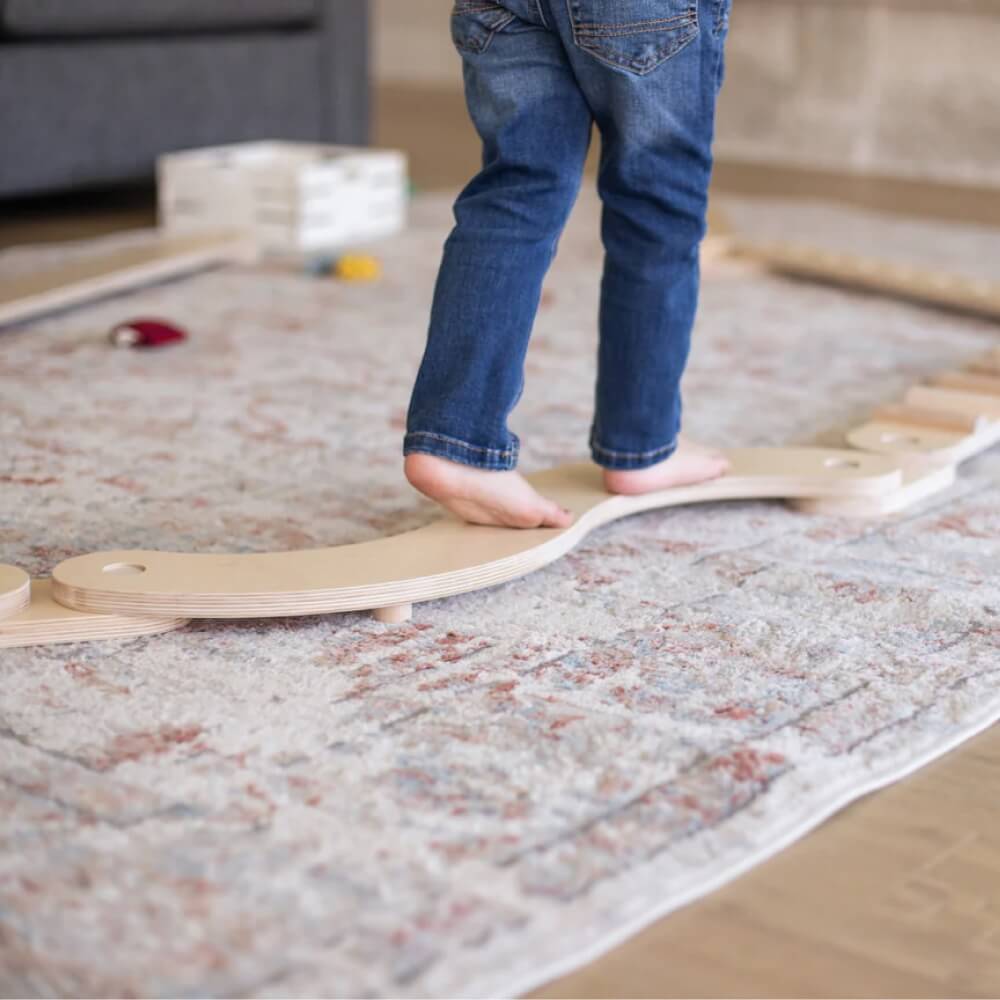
(634, 35)
(475, 22)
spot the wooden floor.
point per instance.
(898, 895)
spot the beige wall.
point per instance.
(413, 42)
(885, 87)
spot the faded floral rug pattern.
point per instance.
(477, 800)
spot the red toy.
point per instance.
(146, 333)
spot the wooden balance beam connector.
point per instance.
(134, 592)
(952, 417)
(44, 621)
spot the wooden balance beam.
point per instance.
(907, 452)
(138, 592)
(443, 558)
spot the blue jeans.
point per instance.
(538, 75)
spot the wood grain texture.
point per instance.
(896, 896)
(79, 280)
(443, 558)
(44, 621)
(15, 590)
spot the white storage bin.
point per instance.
(293, 197)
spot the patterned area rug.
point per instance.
(474, 802)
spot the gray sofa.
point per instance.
(92, 91)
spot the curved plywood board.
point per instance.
(155, 259)
(443, 558)
(15, 586)
(44, 621)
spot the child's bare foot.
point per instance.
(688, 465)
(481, 496)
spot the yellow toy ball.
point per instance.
(358, 267)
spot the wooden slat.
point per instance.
(987, 385)
(94, 276)
(43, 622)
(952, 291)
(919, 417)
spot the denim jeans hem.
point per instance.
(443, 446)
(609, 458)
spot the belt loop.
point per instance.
(541, 13)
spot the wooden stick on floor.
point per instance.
(157, 259)
(953, 291)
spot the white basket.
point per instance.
(292, 197)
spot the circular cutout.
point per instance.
(124, 569)
(838, 462)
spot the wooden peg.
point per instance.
(394, 614)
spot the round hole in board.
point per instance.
(836, 462)
(124, 569)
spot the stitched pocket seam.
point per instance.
(491, 30)
(588, 37)
(636, 27)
